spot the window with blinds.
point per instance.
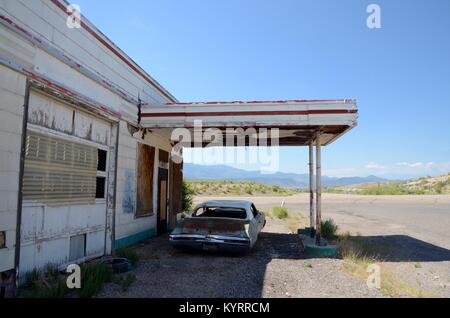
(59, 172)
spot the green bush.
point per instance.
(187, 196)
(50, 283)
(93, 276)
(47, 283)
(280, 212)
(31, 277)
(440, 187)
(328, 229)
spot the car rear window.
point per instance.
(220, 212)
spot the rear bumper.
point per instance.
(213, 243)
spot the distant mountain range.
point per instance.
(289, 180)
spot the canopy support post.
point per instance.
(318, 189)
(311, 188)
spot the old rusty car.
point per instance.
(220, 225)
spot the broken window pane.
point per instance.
(100, 188)
(101, 165)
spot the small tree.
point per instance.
(187, 196)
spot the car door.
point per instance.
(258, 219)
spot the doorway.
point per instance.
(162, 201)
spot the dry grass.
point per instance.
(236, 188)
(425, 185)
(279, 212)
(293, 222)
(296, 222)
(358, 254)
(51, 283)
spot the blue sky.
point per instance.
(262, 50)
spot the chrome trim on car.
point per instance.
(210, 238)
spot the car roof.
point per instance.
(243, 204)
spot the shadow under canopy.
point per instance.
(199, 274)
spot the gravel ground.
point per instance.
(275, 268)
(413, 228)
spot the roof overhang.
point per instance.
(297, 121)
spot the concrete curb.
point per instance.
(310, 247)
(329, 250)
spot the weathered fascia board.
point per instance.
(231, 107)
(59, 90)
(61, 56)
(25, 67)
(269, 121)
(252, 114)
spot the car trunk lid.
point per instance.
(214, 226)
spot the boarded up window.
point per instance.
(2, 239)
(59, 172)
(77, 248)
(146, 161)
(163, 156)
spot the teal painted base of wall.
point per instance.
(135, 238)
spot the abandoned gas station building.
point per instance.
(85, 140)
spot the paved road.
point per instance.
(424, 217)
(414, 230)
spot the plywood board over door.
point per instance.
(146, 161)
(176, 180)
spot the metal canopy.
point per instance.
(298, 121)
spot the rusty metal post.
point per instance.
(318, 189)
(311, 187)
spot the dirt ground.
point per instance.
(275, 268)
(414, 228)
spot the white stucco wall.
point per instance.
(127, 224)
(47, 58)
(12, 92)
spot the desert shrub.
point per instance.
(31, 277)
(328, 229)
(280, 212)
(47, 283)
(439, 187)
(187, 196)
(93, 276)
(51, 283)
